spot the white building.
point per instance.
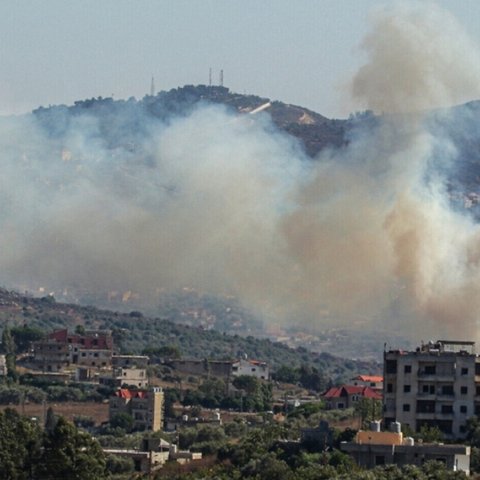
(434, 386)
(253, 368)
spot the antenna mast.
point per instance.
(221, 78)
(152, 87)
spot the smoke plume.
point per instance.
(227, 204)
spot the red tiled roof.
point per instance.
(369, 378)
(127, 393)
(345, 390)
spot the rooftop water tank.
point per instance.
(375, 426)
(396, 427)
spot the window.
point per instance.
(84, 354)
(447, 409)
(463, 428)
(406, 388)
(477, 390)
(379, 460)
(391, 366)
(389, 388)
(463, 409)
(463, 390)
(464, 371)
(477, 369)
(373, 384)
(430, 369)
(407, 369)
(406, 407)
(426, 388)
(447, 390)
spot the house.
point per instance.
(61, 349)
(222, 368)
(372, 448)
(346, 396)
(253, 368)
(144, 405)
(127, 370)
(51, 356)
(372, 381)
(437, 385)
(154, 453)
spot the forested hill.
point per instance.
(123, 125)
(122, 120)
(134, 333)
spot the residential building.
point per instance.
(125, 377)
(145, 406)
(222, 368)
(130, 361)
(437, 385)
(127, 371)
(373, 448)
(51, 356)
(61, 349)
(154, 453)
(372, 381)
(346, 396)
(252, 368)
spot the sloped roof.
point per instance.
(127, 393)
(346, 390)
(369, 378)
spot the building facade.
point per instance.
(144, 406)
(347, 396)
(373, 448)
(61, 349)
(437, 385)
(253, 368)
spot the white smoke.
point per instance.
(229, 205)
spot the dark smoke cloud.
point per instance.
(226, 204)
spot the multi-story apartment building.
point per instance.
(438, 384)
(145, 407)
(127, 370)
(61, 349)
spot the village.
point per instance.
(434, 388)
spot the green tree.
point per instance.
(20, 441)
(368, 409)
(247, 383)
(24, 336)
(70, 453)
(122, 420)
(50, 420)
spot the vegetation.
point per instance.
(133, 334)
(60, 451)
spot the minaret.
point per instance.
(152, 87)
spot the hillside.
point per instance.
(123, 126)
(152, 205)
(133, 333)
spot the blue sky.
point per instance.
(301, 52)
